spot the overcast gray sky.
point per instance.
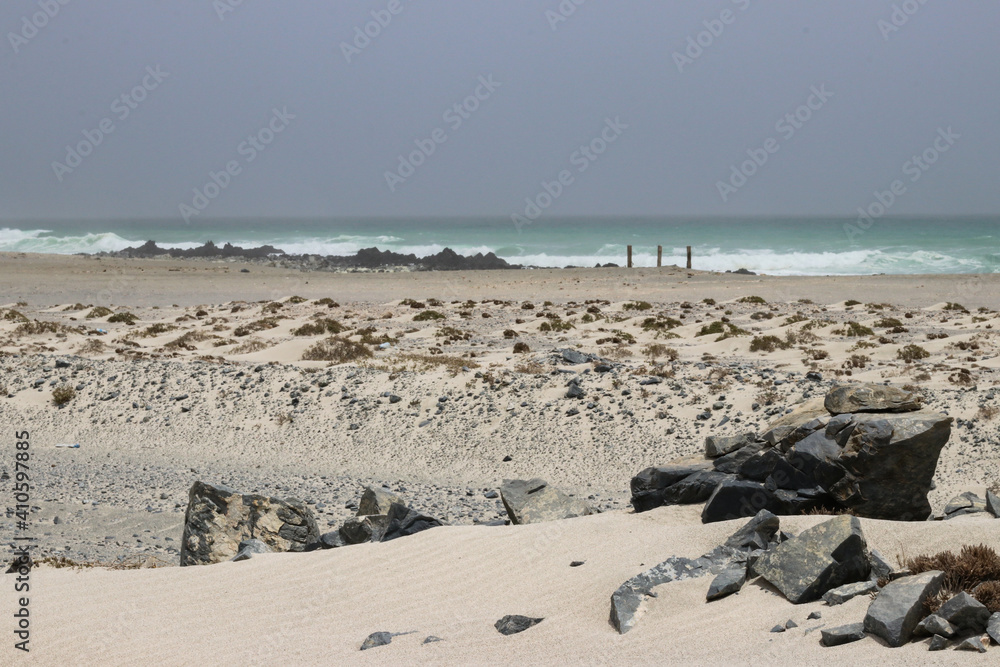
(896, 79)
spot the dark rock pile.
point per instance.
(869, 450)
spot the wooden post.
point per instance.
(630, 257)
(689, 257)
(659, 256)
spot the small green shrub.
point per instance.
(660, 324)
(255, 326)
(855, 330)
(428, 315)
(851, 302)
(127, 318)
(637, 305)
(295, 299)
(321, 326)
(338, 350)
(767, 344)
(751, 299)
(888, 323)
(556, 325)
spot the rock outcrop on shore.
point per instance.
(877, 461)
(366, 258)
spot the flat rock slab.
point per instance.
(824, 557)
(842, 594)
(535, 501)
(513, 624)
(627, 600)
(842, 634)
(870, 398)
(899, 607)
(965, 503)
(727, 582)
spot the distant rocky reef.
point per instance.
(367, 258)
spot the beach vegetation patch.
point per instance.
(850, 303)
(98, 311)
(188, 340)
(328, 302)
(521, 348)
(92, 346)
(767, 344)
(556, 325)
(15, 316)
(795, 319)
(751, 299)
(856, 330)
(527, 305)
(724, 329)
(955, 306)
(454, 334)
(911, 353)
(272, 308)
(887, 323)
(127, 318)
(296, 299)
(255, 326)
(660, 323)
(708, 302)
(657, 351)
(37, 328)
(857, 361)
(76, 306)
(968, 571)
(157, 329)
(338, 350)
(637, 305)
(368, 337)
(322, 325)
(428, 315)
(251, 345)
(63, 395)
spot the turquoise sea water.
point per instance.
(807, 246)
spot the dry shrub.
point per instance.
(63, 395)
(988, 412)
(658, 350)
(92, 346)
(338, 350)
(188, 340)
(321, 326)
(251, 345)
(971, 567)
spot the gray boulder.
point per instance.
(870, 398)
(842, 634)
(966, 613)
(218, 519)
(363, 528)
(377, 501)
(821, 558)
(899, 607)
(534, 501)
(842, 594)
(402, 521)
(937, 643)
(681, 483)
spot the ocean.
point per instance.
(786, 246)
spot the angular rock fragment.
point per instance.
(842, 634)
(993, 627)
(377, 501)
(935, 625)
(972, 644)
(727, 582)
(402, 521)
(899, 607)
(719, 445)
(937, 643)
(249, 548)
(842, 594)
(966, 613)
(376, 639)
(826, 556)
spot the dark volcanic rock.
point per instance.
(842, 594)
(513, 624)
(727, 582)
(870, 398)
(218, 519)
(403, 521)
(377, 501)
(899, 607)
(376, 639)
(964, 503)
(965, 612)
(719, 445)
(826, 556)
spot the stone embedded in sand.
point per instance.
(899, 607)
(938, 643)
(654, 487)
(935, 625)
(361, 529)
(377, 501)
(964, 503)
(534, 501)
(376, 639)
(513, 624)
(993, 504)
(824, 557)
(993, 627)
(842, 634)
(727, 582)
(870, 398)
(218, 519)
(972, 644)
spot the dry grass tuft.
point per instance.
(971, 567)
(338, 350)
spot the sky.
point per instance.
(388, 108)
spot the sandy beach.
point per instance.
(314, 385)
